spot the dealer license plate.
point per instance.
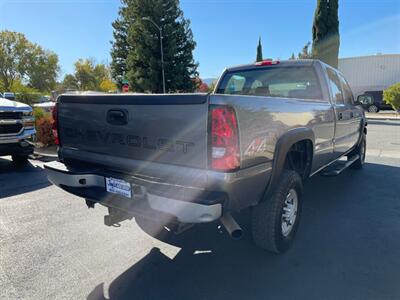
(118, 186)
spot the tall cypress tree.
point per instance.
(141, 53)
(259, 51)
(333, 33)
(325, 32)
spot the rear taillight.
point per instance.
(224, 139)
(55, 124)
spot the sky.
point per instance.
(226, 31)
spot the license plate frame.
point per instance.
(119, 187)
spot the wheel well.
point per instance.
(299, 158)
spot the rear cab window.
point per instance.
(286, 82)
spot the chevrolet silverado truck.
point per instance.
(175, 160)
(17, 130)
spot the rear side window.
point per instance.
(347, 93)
(336, 88)
(287, 82)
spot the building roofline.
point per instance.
(368, 56)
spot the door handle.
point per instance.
(340, 116)
(117, 117)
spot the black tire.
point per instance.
(361, 151)
(268, 214)
(373, 109)
(20, 159)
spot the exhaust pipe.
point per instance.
(231, 226)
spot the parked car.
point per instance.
(372, 101)
(8, 95)
(46, 106)
(17, 130)
(177, 160)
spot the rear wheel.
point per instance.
(20, 159)
(360, 150)
(275, 220)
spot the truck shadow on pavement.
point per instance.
(347, 248)
(15, 180)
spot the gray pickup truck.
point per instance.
(17, 130)
(177, 160)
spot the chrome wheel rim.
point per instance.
(289, 213)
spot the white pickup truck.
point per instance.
(17, 130)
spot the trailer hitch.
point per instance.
(116, 216)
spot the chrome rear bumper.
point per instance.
(91, 185)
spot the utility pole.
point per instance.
(162, 51)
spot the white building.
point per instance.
(371, 73)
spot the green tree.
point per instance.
(259, 51)
(43, 71)
(84, 74)
(392, 96)
(325, 32)
(24, 93)
(120, 45)
(305, 52)
(137, 46)
(107, 85)
(69, 83)
(14, 57)
(22, 60)
(88, 76)
(292, 57)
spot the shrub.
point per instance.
(38, 113)
(392, 96)
(44, 130)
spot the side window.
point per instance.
(348, 94)
(365, 99)
(335, 85)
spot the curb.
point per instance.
(45, 154)
(388, 116)
(383, 118)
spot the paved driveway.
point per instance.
(348, 244)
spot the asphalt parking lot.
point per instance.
(348, 244)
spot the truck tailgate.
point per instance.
(157, 128)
